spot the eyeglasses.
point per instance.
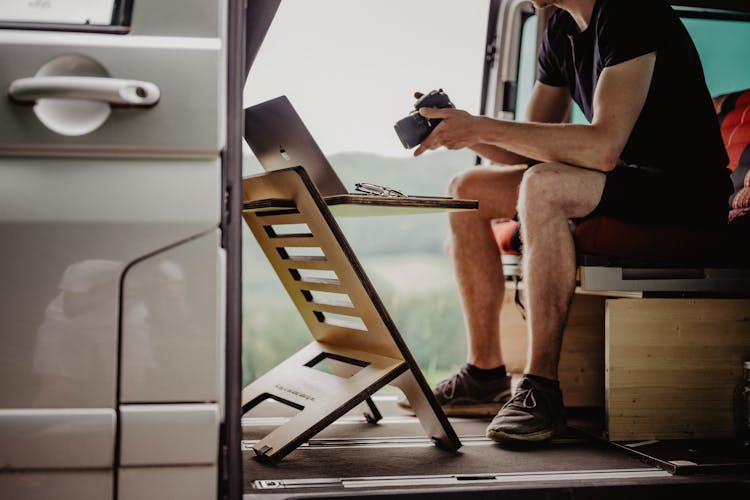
(368, 188)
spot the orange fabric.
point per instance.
(735, 130)
(503, 232)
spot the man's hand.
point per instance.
(458, 129)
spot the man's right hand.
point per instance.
(458, 129)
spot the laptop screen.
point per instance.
(279, 139)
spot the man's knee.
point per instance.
(470, 184)
(539, 189)
(555, 189)
(460, 185)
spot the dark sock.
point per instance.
(544, 382)
(486, 374)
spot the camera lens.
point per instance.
(412, 130)
(415, 128)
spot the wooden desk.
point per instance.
(351, 328)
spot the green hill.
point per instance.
(428, 174)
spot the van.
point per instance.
(122, 196)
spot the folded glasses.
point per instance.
(368, 188)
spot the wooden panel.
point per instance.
(581, 368)
(354, 205)
(513, 340)
(672, 364)
(319, 285)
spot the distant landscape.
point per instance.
(404, 256)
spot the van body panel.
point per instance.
(54, 485)
(169, 321)
(185, 483)
(57, 438)
(103, 199)
(70, 229)
(175, 434)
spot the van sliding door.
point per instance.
(113, 152)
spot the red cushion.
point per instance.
(674, 245)
(504, 231)
(725, 245)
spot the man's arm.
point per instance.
(546, 104)
(620, 94)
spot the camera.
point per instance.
(415, 128)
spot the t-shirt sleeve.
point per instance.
(628, 29)
(550, 68)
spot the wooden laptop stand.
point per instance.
(353, 332)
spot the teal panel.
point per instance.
(724, 48)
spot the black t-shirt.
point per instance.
(677, 129)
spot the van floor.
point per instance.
(393, 458)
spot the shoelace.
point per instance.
(523, 399)
(448, 387)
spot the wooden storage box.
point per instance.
(672, 365)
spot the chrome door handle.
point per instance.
(115, 91)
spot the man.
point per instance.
(652, 153)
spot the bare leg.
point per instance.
(477, 263)
(551, 194)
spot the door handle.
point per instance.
(115, 91)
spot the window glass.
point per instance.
(576, 115)
(724, 47)
(73, 12)
(526, 65)
(527, 71)
(350, 70)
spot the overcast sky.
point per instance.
(350, 67)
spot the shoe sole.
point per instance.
(531, 437)
(473, 411)
(467, 411)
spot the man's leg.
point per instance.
(550, 195)
(481, 386)
(476, 258)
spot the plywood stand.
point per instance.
(353, 333)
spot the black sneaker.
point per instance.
(465, 396)
(534, 413)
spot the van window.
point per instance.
(724, 47)
(526, 65)
(527, 71)
(73, 13)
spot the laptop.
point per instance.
(279, 139)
